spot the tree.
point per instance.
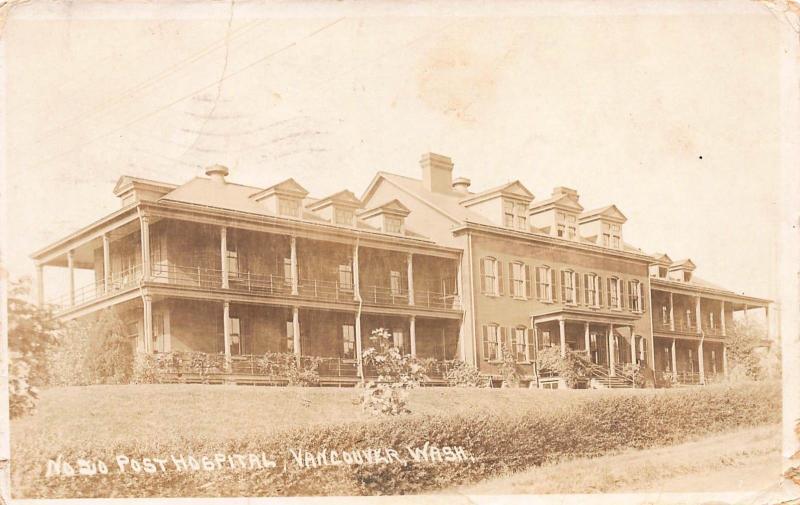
(111, 352)
(397, 373)
(743, 340)
(33, 332)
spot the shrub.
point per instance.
(285, 364)
(508, 367)
(22, 396)
(67, 359)
(634, 373)
(397, 373)
(498, 442)
(464, 375)
(571, 367)
(111, 352)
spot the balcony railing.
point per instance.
(130, 277)
(714, 331)
(384, 296)
(434, 300)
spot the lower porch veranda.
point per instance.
(689, 361)
(239, 335)
(607, 345)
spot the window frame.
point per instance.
(490, 279)
(572, 288)
(518, 283)
(389, 223)
(289, 207)
(519, 342)
(546, 283)
(338, 212)
(348, 341)
(592, 294)
(514, 214)
(492, 341)
(614, 285)
(346, 269)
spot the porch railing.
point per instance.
(125, 279)
(434, 300)
(384, 296)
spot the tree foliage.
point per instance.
(110, 354)
(397, 374)
(743, 340)
(572, 367)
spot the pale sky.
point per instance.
(672, 116)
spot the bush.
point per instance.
(498, 443)
(397, 373)
(67, 359)
(22, 396)
(464, 375)
(571, 367)
(111, 353)
(508, 367)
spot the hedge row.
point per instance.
(498, 443)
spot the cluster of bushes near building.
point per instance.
(499, 443)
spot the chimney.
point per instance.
(461, 185)
(437, 172)
(217, 173)
(564, 191)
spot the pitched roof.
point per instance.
(126, 181)
(556, 201)
(395, 207)
(513, 189)
(686, 264)
(344, 197)
(609, 211)
(287, 187)
(662, 258)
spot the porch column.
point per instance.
(410, 275)
(40, 285)
(767, 322)
(671, 314)
(223, 254)
(148, 323)
(295, 280)
(71, 266)
(700, 360)
(587, 344)
(296, 332)
(697, 315)
(611, 361)
(358, 346)
(725, 360)
(412, 332)
(145, 239)
(745, 313)
(674, 358)
(722, 317)
(106, 263)
(563, 336)
(356, 280)
(633, 346)
(226, 331)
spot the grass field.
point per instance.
(742, 460)
(107, 414)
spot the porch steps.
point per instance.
(599, 377)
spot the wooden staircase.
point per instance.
(599, 376)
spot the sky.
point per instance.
(671, 114)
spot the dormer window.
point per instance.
(514, 214)
(343, 217)
(611, 235)
(392, 224)
(566, 225)
(288, 207)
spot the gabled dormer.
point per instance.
(603, 225)
(283, 199)
(558, 215)
(505, 206)
(682, 270)
(339, 208)
(389, 217)
(660, 266)
(134, 189)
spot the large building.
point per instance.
(238, 271)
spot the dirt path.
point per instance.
(744, 460)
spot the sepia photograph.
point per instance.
(460, 251)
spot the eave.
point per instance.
(689, 288)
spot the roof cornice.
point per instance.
(688, 286)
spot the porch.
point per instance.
(689, 362)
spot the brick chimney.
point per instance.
(437, 172)
(217, 173)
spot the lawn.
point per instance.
(109, 414)
(742, 460)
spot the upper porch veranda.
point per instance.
(213, 252)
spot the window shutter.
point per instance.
(483, 279)
(485, 332)
(538, 280)
(530, 350)
(642, 298)
(528, 286)
(511, 278)
(599, 283)
(553, 286)
(503, 342)
(624, 290)
(586, 299)
(563, 285)
(500, 276)
(578, 292)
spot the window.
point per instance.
(662, 272)
(392, 224)
(289, 336)
(713, 362)
(546, 340)
(635, 297)
(544, 283)
(514, 214)
(288, 207)
(232, 258)
(518, 280)
(711, 321)
(398, 339)
(348, 341)
(566, 225)
(664, 314)
(343, 216)
(614, 300)
(592, 289)
(236, 335)
(688, 318)
(491, 277)
(287, 270)
(691, 359)
(346, 276)
(395, 282)
(569, 290)
(518, 346)
(491, 342)
(687, 276)
(667, 360)
(611, 235)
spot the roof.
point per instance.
(344, 197)
(127, 181)
(514, 189)
(685, 264)
(662, 258)
(609, 212)
(556, 201)
(288, 187)
(394, 207)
